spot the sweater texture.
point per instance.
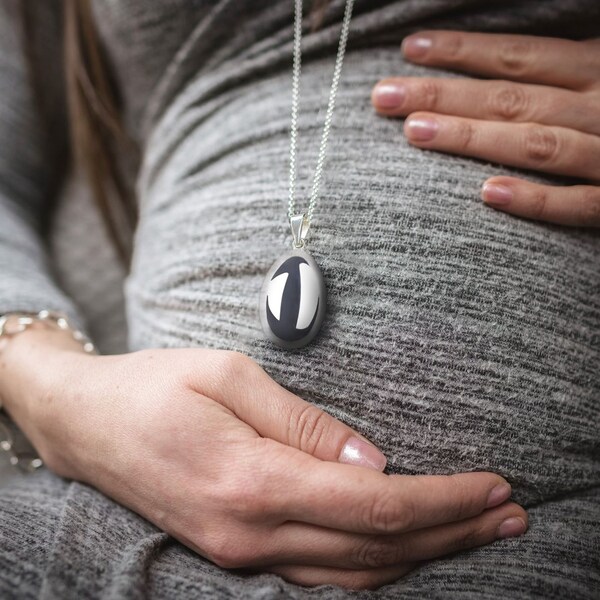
(457, 338)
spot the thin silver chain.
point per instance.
(295, 89)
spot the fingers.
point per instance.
(359, 500)
(550, 149)
(533, 59)
(241, 385)
(577, 205)
(539, 127)
(370, 579)
(299, 543)
(488, 100)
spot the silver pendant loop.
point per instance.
(299, 226)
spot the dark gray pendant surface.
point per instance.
(293, 300)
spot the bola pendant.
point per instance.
(293, 296)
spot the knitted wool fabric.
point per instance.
(457, 338)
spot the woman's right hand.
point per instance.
(205, 445)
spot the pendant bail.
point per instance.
(299, 226)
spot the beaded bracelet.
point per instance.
(26, 461)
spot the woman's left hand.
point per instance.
(540, 111)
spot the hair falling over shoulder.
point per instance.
(98, 139)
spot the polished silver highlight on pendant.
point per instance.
(299, 225)
(293, 300)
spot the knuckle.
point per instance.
(452, 46)
(469, 539)
(508, 101)
(386, 514)
(463, 506)
(237, 361)
(227, 368)
(233, 364)
(244, 499)
(590, 106)
(226, 553)
(590, 207)
(515, 57)
(311, 425)
(464, 502)
(538, 203)
(428, 94)
(542, 145)
(378, 552)
(464, 135)
(253, 498)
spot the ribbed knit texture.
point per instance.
(457, 338)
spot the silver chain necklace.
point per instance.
(293, 297)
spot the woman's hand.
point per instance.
(204, 444)
(541, 111)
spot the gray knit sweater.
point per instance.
(457, 338)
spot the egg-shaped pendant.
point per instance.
(293, 300)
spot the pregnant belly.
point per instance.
(456, 337)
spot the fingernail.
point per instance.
(416, 46)
(364, 439)
(389, 95)
(358, 452)
(498, 495)
(496, 194)
(421, 129)
(511, 527)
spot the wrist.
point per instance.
(25, 358)
(45, 330)
(33, 365)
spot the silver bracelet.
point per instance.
(26, 461)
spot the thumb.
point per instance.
(276, 413)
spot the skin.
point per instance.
(205, 445)
(538, 108)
